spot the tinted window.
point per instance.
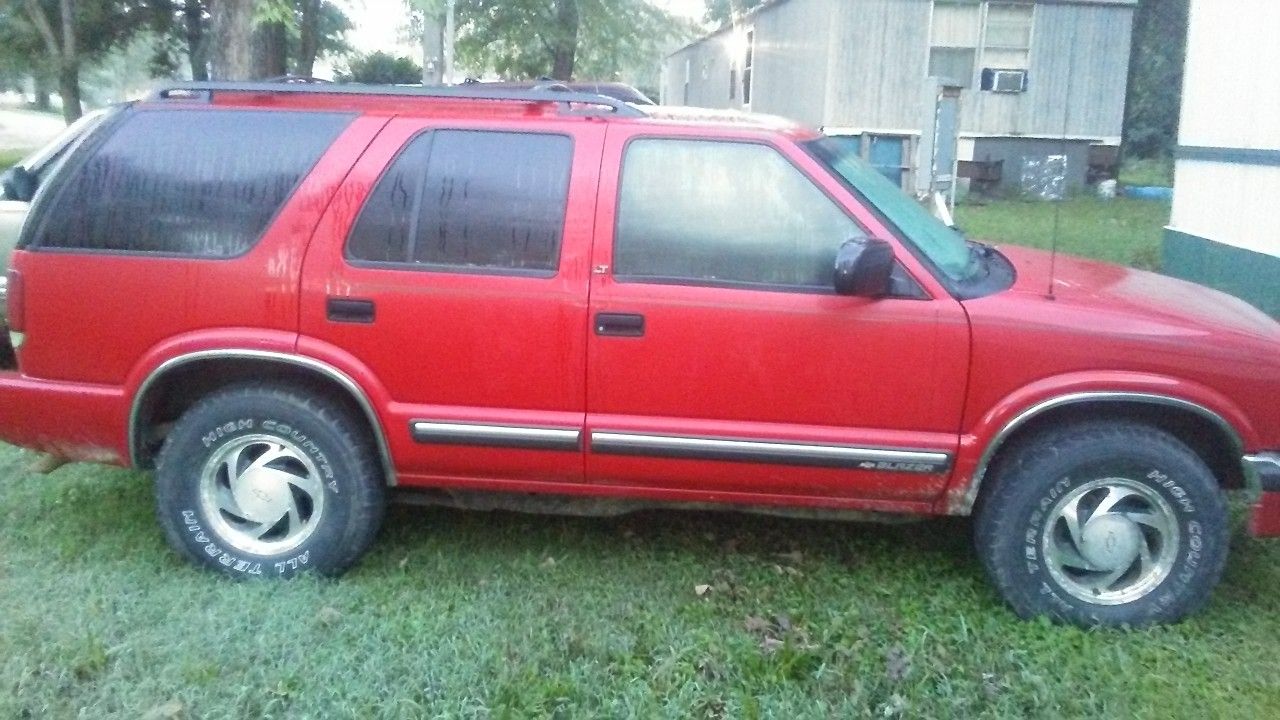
(721, 212)
(469, 200)
(187, 183)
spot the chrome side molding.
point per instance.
(505, 436)
(766, 451)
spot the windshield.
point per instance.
(944, 247)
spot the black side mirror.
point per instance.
(864, 267)
(18, 183)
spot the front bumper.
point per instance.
(1263, 471)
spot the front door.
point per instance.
(722, 364)
(453, 266)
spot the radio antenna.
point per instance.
(1057, 204)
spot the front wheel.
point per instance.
(268, 481)
(1103, 524)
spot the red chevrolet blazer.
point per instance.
(289, 300)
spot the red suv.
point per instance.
(289, 299)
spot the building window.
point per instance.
(748, 62)
(953, 43)
(1006, 37)
(733, 83)
(964, 32)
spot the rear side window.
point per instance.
(175, 182)
(466, 200)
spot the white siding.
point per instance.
(1231, 99)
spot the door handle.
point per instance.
(620, 324)
(349, 310)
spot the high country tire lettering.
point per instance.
(228, 428)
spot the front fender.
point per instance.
(984, 437)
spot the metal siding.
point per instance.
(1079, 64)
(791, 60)
(862, 64)
(881, 50)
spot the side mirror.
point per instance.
(18, 183)
(864, 267)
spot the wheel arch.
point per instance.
(158, 400)
(1206, 431)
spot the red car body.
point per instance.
(944, 377)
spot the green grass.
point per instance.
(1121, 230)
(459, 614)
(9, 158)
(1147, 171)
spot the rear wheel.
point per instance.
(1104, 523)
(268, 481)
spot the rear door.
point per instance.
(723, 365)
(453, 268)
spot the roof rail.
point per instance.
(188, 90)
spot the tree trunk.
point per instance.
(69, 89)
(231, 39)
(40, 83)
(69, 68)
(309, 37)
(270, 51)
(565, 50)
(197, 45)
(432, 48)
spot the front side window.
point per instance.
(724, 213)
(469, 200)
(191, 183)
(945, 248)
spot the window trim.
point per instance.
(107, 129)
(816, 290)
(413, 224)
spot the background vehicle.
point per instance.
(20, 183)
(509, 298)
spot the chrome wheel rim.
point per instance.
(262, 494)
(1111, 541)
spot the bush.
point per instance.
(380, 68)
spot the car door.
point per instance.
(453, 268)
(723, 365)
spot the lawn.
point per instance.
(9, 158)
(1121, 231)
(468, 614)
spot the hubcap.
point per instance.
(262, 494)
(1111, 541)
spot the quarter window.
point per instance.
(180, 182)
(468, 200)
(724, 213)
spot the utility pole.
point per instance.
(449, 29)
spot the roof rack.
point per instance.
(548, 94)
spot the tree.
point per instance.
(722, 12)
(522, 39)
(231, 40)
(68, 33)
(1153, 102)
(379, 68)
